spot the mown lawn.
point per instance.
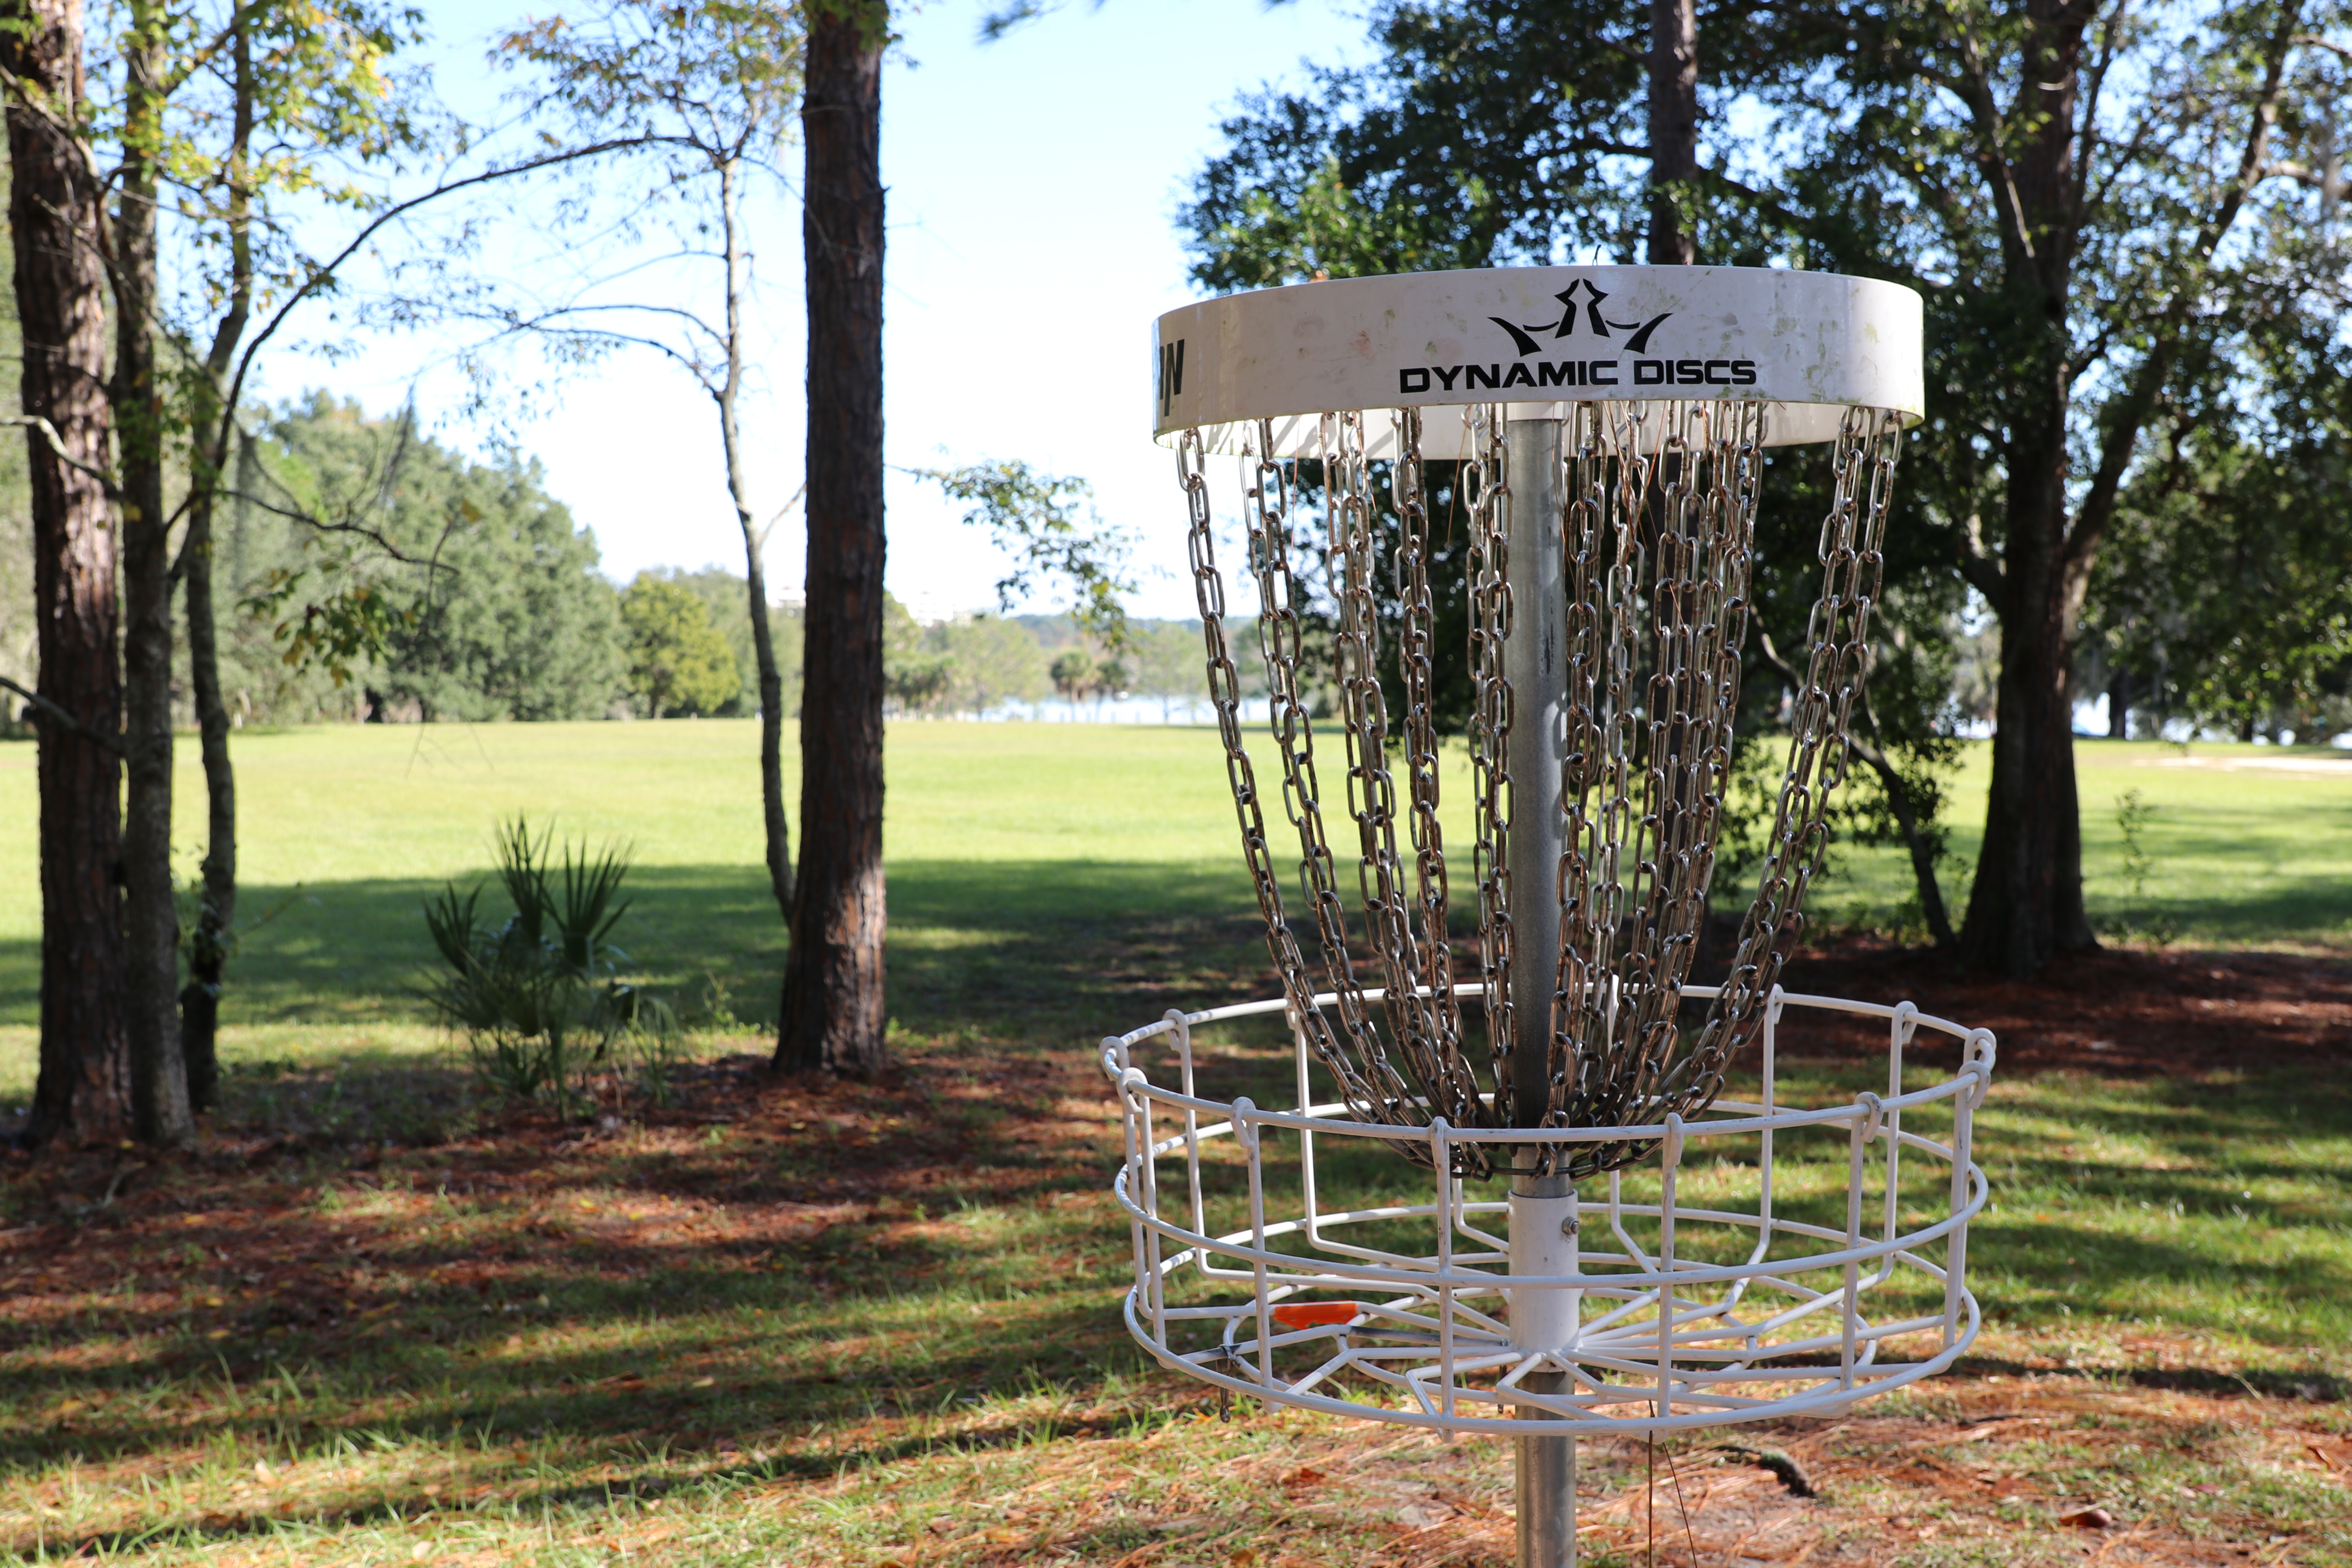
(377, 1319)
(1006, 843)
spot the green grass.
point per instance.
(2246, 854)
(791, 1325)
(1006, 845)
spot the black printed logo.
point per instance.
(1599, 325)
(1171, 375)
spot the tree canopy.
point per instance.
(485, 601)
(679, 662)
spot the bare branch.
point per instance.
(313, 521)
(781, 512)
(57, 448)
(59, 716)
(323, 275)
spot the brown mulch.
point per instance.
(747, 1169)
(2120, 1011)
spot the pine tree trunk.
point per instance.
(84, 1089)
(832, 1016)
(159, 1080)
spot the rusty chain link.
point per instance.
(1658, 524)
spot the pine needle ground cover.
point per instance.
(377, 1319)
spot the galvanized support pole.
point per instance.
(1542, 1207)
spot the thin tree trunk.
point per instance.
(764, 645)
(832, 1016)
(1673, 129)
(83, 1093)
(2026, 905)
(159, 1079)
(1898, 804)
(2119, 692)
(216, 912)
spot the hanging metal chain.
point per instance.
(1577, 1015)
(1489, 588)
(1868, 444)
(1449, 1078)
(1658, 527)
(1423, 1020)
(1225, 697)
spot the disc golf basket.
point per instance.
(1600, 1240)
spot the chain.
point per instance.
(1432, 960)
(1658, 516)
(1868, 444)
(1224, 696)
(1489, 588)
(1658, 525)
(1423, 1023)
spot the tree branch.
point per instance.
(2129, 413)
(1984, 571)
(319, 524)
(322, 276)
(59, 716)
(1984, 115)
(2086, 146)
(57, 448)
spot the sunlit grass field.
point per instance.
(1004, 840)
(882, 1328)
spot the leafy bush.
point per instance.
(539, 998)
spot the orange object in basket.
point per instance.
(1314, 1314)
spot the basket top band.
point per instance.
(1807, 346)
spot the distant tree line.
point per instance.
(488, 603)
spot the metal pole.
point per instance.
(1544, 1242)
(1543, 1208)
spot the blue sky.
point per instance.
(1034, 184)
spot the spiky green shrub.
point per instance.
(539, 998)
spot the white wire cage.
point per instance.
(1711, 1290)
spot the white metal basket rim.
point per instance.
(1445, 1281)
(1828, 1400)
(1978, 1047)
(1437, 1277)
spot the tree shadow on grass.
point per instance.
(987, 944)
